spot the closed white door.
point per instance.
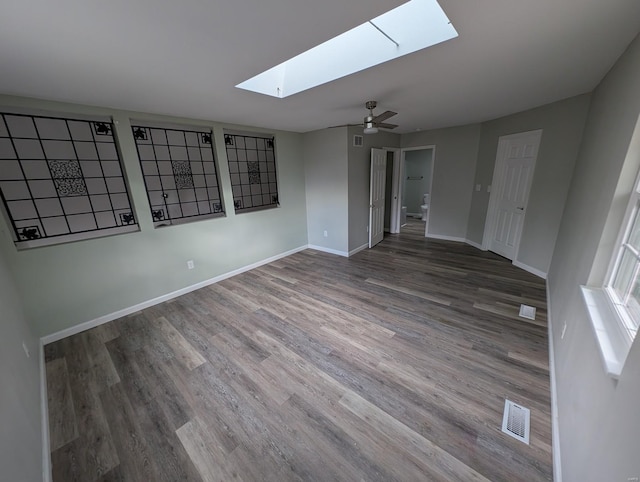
(376, 196)
(511, 184)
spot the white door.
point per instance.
(376, 196)
(512, 178)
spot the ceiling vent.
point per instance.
(515, 421)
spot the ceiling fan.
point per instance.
(373, 122)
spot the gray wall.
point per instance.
(71, 283)
(326, 187)
(20, 436)
(359, 159)
(453, 175)
(606, 412)
(599, 422)
(417, 164)
(562, 124)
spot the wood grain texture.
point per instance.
(392, 365)
(62, 426)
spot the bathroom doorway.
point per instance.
(412, 188)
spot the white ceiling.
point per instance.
(184, 58)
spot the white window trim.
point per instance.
(614, 330)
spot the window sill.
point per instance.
(607, 325)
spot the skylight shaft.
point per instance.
(413, 26)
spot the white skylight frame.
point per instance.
(413, 26)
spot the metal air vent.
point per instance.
(515, 421)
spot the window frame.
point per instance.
(238, 200)
(200, 130)
(628, 324)
(129, 225)
(614, 326)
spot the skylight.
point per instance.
(413, 26)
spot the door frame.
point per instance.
(394, 220)
(497, 184)
(396, 190)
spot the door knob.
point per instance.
(519, 208)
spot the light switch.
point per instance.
(478, 187)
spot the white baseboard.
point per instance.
(358, 249)
(530, 269)
(474, 244)
(87, 325)
(44, 416)
(555, 429)
(328, 250)
(446, 238)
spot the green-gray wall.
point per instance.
(326, 186)
(598, 417)
(68, 284)
(21, 436)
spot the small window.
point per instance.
(179, 170)
(61, 179)
(252, 167)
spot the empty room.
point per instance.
(370, 240)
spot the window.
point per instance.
(179, 170)
(413, 26)
(252, 166)
(623, 286)
(61, 179)
(614, 309)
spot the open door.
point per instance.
(376, 196)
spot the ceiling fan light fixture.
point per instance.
(369, 128)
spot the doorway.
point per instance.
(512, 177)
(411, 189)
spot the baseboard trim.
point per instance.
(446, 238)
(555, 429)
(328, 250)
(358, 249)
(44, 416)
(474, 244)
(530, 269)
(87, 325)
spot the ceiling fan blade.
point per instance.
(387, 126)
(384, 116)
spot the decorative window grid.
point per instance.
(61, 179)
(179, 172)
(252, 167)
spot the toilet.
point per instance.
(425, 206)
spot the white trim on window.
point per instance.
(615, 325)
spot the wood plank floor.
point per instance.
(390, 365)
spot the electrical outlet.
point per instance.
(564, 330)
(190, 264)
(26, 349)
(325, 233)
